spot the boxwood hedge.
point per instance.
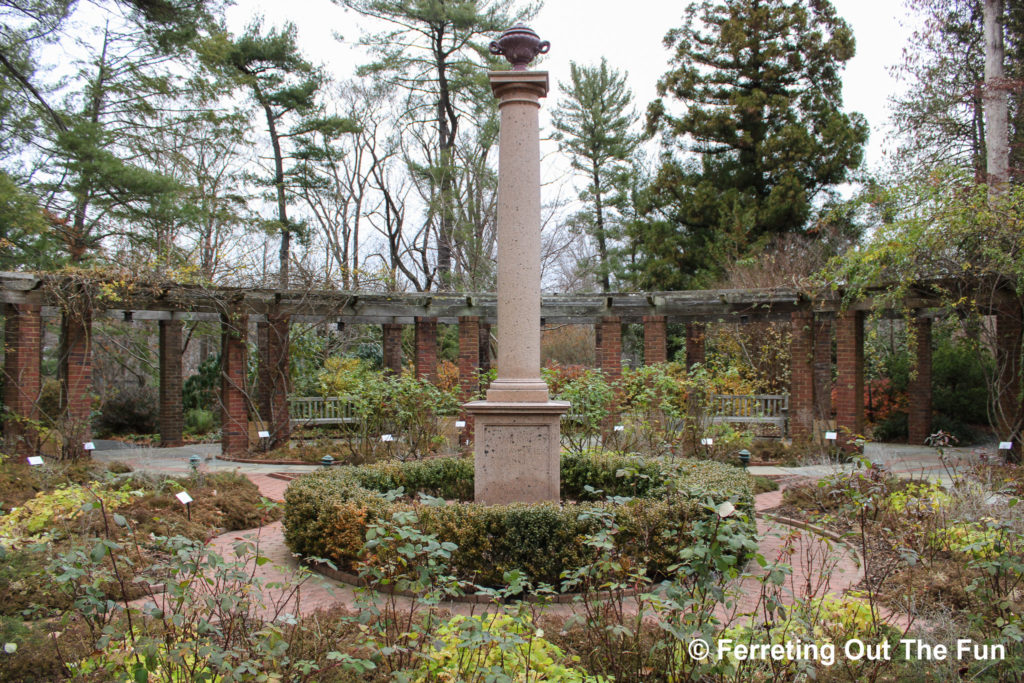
(327, 512)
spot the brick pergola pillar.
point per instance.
(801, 383)
(608, 334)
(263, 371)
(485, 346)
(76, 377)
(850, 371)
(1008, 350)
(278, 379)
(695, 332)
(655, 339)
(391, 334)
(23, 330)
(170, 410)
(234, 403)
(469, 367)
(823, 367)
(426, 349)
(919, 409)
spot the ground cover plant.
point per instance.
(952, 559)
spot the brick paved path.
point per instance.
(819, 566)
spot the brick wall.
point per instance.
(233, 400)
(609, 347)
(801, 383)
(850, 371)
(694, 343)
(426, 349)
(171, 417)
(392, 336)
(655, 339)
(23, 335)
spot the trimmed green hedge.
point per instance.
(327, 512)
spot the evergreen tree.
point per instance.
(285, 87)
(594, 125)
(434, 50)
(761, 140)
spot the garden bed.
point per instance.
(329, 513)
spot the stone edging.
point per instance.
(254, 461)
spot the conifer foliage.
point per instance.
(759, 141)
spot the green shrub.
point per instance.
(200, 389)
(327, 513)
(129, 410)
(200, 421)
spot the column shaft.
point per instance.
(426, 349)
(233, 396)
(695, 332)
(609, 347)
(392, 347)
(801, 385)
(919, 413)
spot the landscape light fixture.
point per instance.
(193, 462)
(327, 461)
(744, 458)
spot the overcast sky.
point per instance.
(629, 34)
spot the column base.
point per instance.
(518, 391)
(517, 451)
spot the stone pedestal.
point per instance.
(517, 444)
(517, 451)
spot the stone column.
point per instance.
(823, 367)
(919, 410)
(23, 330)
(171, 412)
(76, 376)
(801, 382)
(608, 336)
(695, 332)
(850, 371)
(234, 403)
(517, 444)
(279, 379)
(426, 349)
(392, 348)
(655, 339)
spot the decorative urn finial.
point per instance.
(520, 45)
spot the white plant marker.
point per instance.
(831, 436)
(387, 437)
(619, 428)
(1006, 445)
(183, 497)
(35, 460)
(89, 446)
(707, 442)
(263, 435)
(460, 424)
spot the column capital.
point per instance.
(519, 86)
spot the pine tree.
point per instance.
(762, 136)
(434, 51)
(594, 125)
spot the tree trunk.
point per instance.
(997, 139)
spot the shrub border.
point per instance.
(657, 482)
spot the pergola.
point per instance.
(816, 319)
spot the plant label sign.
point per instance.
(831, 436)
(89, 446)
(619, 428)
(263, 435)
(707, 442)
(387, 437)
(1006, 445)
(460, 424)
(35, 460)
(183, 497)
